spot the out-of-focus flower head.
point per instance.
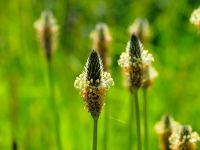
(167, 123)
(149, 75)
(184, 138)
(47, 32)
(195, 18)
(164, 128)
(101, 38)
(141, 28)
(93, 83)
(133, 61)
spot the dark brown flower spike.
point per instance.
(93, 83)
(47, 31)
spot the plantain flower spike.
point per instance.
(101, 41)
(133, 61)
(149, 75)
(141, 28)
(164, 129)
(195, 18)
(93, 83)
(184, 139)
(47, 32)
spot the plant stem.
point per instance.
(95, 133)
(131, 123)
(145, 118)
(106, 127)
(137, 112)
(14, 112)
(53, 105)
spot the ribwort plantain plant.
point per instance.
(164, 128)
(47, 32)
(195, 18)
(141, 28)
(93, 84)
(184, 139)
(101, 39)
(133, 60)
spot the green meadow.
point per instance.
(26, 113)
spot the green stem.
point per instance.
(137, 112)
(14, 112)
(106, 127)
(131, 123)
(145, 119)
(53, 105)
(95, 133)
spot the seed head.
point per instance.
(93, 83)
(101, 41)
(195, 18)
(47, 32)
(141, 28)
(184, 139)
(133, 60)
(164, 129)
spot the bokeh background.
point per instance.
(24, 87)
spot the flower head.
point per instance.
(164, 129)
(101, 40)
(141, 28)
(93, 83)
(167, 123)
(195, 17)
(149, 75)
(184, 139)
(47, 31)
(133, 61)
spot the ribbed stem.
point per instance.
(13, 111)
(137, 113)
(53, 105)
(131, 123)
(146, 137)
(106, 127)
(95, 133)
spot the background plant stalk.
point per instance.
(53, 104)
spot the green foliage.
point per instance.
(23, 74)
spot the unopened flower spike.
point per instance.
(164, 128)
(133, 60)
(93, 83)
(184, 139)
(141, 28)
(101, 39)
(195, 18)
(47, 32)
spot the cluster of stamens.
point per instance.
(93, 83)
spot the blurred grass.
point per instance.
(174, 43)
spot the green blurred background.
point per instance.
(24, 86)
